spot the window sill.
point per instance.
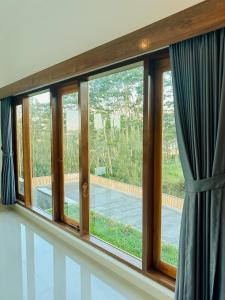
(124, 257)
(131, 261)
(153, 282)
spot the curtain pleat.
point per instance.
(8, 194)
(199, 91)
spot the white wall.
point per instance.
(35, 34)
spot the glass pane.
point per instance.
(116, 147)
(20, 149)
(172, 179)
(71, 155)
(40, 132)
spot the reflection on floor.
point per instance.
(35, 265)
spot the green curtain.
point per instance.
(8, 194)
(198, 68)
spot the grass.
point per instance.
(124, 237)
(173, 179)
(169, 254)
(72, 211)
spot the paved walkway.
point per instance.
(126, 209)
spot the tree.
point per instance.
(115, 130)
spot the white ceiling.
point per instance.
(35, 34)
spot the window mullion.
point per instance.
(27, 154)
(56, 156)
(148, 162)
(84, 159)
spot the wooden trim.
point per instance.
(152, 174)
(161, 66)
(20, 197)
(201, 18)
(114, 251)
(167, 269)
(158, 110)
(84, 158)
(162, 278)
(61, 152)
(26, 154)
(67, 88)
(63, 90)
(15, 147)
(55, 157)
(71, 222)
(148, 165)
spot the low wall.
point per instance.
(168, 200)
(46, 180)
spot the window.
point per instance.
(168, 176)
(69, 110)
(172, 178)
(40, 137)
(19, 150)
(116, 135)
(100, 155)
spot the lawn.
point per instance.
(124, 237)
(173, 179)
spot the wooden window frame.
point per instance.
(160, 67)
(152, 168)
(58, 151)
(27, 154)
(27, 197)
(151, 265)
(84, 159)
(17, 103)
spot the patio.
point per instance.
(119, 206)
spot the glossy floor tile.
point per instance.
(34, 265)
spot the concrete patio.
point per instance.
(122, 207)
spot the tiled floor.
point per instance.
(34, 265)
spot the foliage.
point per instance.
(115, 131)
(173, 181)
(40, 132)
(169, 254)
(124, 237)
(20, 139)
(71, 133)
(116, 125)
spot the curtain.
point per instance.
(8, 194)
(198, 68)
